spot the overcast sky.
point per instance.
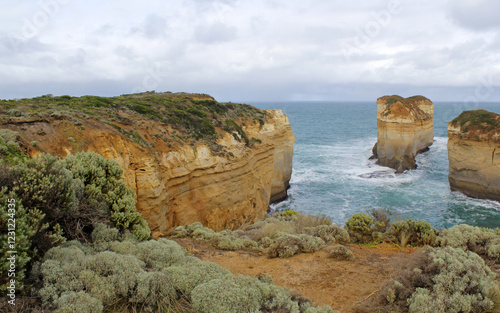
(253, 50)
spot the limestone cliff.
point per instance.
(186, 157)
(405, 128)
(474, 154)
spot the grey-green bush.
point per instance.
(152, 276)
(482, 241)
(340, 253)
(463, 284)
(187, 276)
(287, 245)
(78, 302)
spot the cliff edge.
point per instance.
(405, 128)
(474, 154)
(187, 157)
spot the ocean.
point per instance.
(332, 173)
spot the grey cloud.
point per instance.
(10, 44)
(154, 26)
(125, 52)
(77, 58)
(215, 33)
(475, 14)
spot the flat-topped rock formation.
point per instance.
(186, 157)
(405, 128)
(474, 154)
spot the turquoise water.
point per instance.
(331, 170)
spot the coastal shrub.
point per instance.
(309, 244)
(226, 295)
(274, 229)
(113, 279)
(360, 227)
(27, 224)
(10, 150)
(289, 213)
(187, 276)
(329, 233)
(78, 302)
(303, 221)
(381, 219)
(285, 246)
(412, 232)
(340, 253)
(233, 243)
(439, 280)
(103, 183)
(483, 241)
(160, 253)
(463, 284)
(288, 245)
(15, 112)
(50, 192)
(246, 294)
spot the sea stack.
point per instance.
(474, 154)
(405, 128)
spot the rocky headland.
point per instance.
(405, 128)
(186, 157)
(474, 154)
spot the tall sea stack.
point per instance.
(405, 128)
(474, 154)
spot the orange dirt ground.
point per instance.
(339, 284)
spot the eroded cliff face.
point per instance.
(177, 182)
(474, 154)
(405, 128)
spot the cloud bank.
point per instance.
(252, 50)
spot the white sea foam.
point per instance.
(333, 175)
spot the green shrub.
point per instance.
(103, 183)
(415, 233)
(463, 284)
(483, 241)
(289, 213)
(10, 137)
(360, 227)
(15, 112)
(27, 224)
(340, 253)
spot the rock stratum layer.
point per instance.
(405, 128)
(177, 176)
(474, 154)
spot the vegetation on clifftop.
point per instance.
(477, 123)
(193, 117)
(404, 106)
